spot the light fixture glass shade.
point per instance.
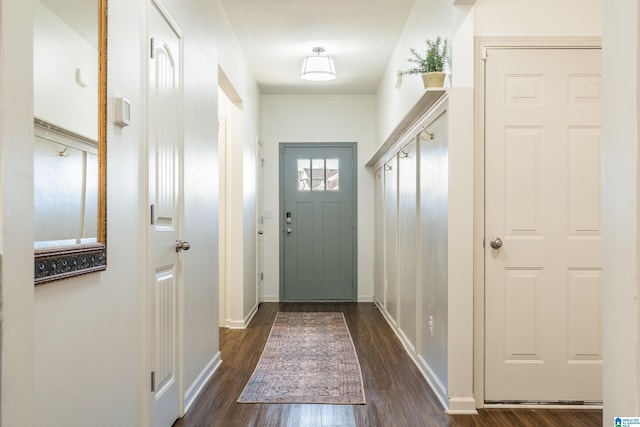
(318, 69)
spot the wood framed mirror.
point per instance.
(70, 109)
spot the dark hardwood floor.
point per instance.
(397, 394)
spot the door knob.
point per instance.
(496, 243)
(261, 232)
(182, 246)
(289, 230)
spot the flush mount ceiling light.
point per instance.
(318, 68)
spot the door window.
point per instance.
(318, 175)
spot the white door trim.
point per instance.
(482, 45)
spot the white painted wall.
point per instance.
(433, 254)
(428, 19)
(90, 345)
(90, 330)
(620, 216)
(318, 118)
(235, 67)
(408, 243)
(544, 17)
(16, 216)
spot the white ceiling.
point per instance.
(276, 35)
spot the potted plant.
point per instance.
(431, 64)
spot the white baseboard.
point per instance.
(462, 406)
(194, 390)
(242, 324)
(451, 405)
(365, 298)
(270, 298)
(390, 320)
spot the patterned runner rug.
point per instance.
(308, 358)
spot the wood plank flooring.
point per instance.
(397, 394)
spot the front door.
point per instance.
(543, 331)
(165, 183)
(318, 193)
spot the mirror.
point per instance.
(69, 75)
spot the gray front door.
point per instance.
(318, 193)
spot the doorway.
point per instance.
(230, 217)
(542, 255)
(318, 222)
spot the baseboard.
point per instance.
(242, 324)
(451, 405)
(270, 298)
(390, 320)
(434, 382)
(462, 406)
(249, 317)
(192, 393)
(365, 298)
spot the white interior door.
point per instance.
(260, 218)
(543, 336)
(165, 184)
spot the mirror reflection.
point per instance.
(69, 48)
(65, 188)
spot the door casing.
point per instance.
(281, 221)
(481, 46)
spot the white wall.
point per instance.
(428, 19)
(318, 118)
(16, 219)
(90, 331)
(90, 340)
(620, 216)
(544, 17)
(243, 230)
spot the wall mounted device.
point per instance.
(123, 112)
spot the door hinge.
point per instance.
(483, 243)
(153, 381)
(484, 53)
(152, 47)
(261, 276)
(153, 208)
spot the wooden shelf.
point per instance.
(425, 102)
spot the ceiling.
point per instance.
(276, 35)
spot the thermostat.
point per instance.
(123, 112)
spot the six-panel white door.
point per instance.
(543, 336)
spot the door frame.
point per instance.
(179, 344)
(482, 45)
(354, 146)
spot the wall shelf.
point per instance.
(429, 98)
